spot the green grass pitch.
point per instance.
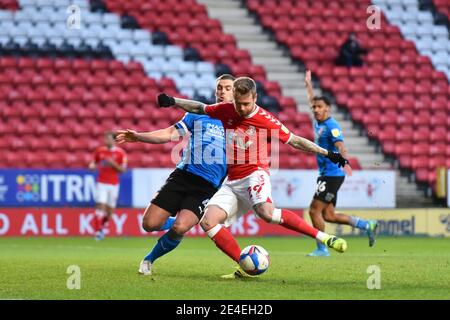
(36, 268)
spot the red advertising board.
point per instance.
(125, 222)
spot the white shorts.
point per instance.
(237, 197)
(107, 194)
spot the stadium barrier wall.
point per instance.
(76, 188)
(124, 222)
(397, 222)
(294, 188)
(127, 222)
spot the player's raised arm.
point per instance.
(166, 101)
(309, 146)
(309, 87)
(154, 137)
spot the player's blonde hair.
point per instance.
(244, 85)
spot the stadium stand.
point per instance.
(396, 94)
(62, 87)
(64, 106)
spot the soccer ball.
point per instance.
(254, 260)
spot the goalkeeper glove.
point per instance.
(336, 157)
(165, 101)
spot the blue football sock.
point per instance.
(321, 246)
(164, 245)
(359, 223)
(168, 224)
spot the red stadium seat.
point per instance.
(421, 149)
(447, 152)
(437, 149)
(438, 134)
(389, 147)
(422, 175)
(405, 161)
(403, 148)
(437, 161)
(404, 135)
(387, 135)
(354, 163)
(420, 162)
(371, 117)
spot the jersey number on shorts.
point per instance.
(321, 187)
(257, 188)
(202, 207)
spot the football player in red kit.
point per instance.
(110, 162)
(249, 133)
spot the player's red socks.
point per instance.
(225, 241)
(105, 221)
(294, 222)
(100, 220)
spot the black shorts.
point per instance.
(184, 190)
(327, 189)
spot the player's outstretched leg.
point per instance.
(222, 237)
(225, 241)
(292, 221)
(370, 226)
